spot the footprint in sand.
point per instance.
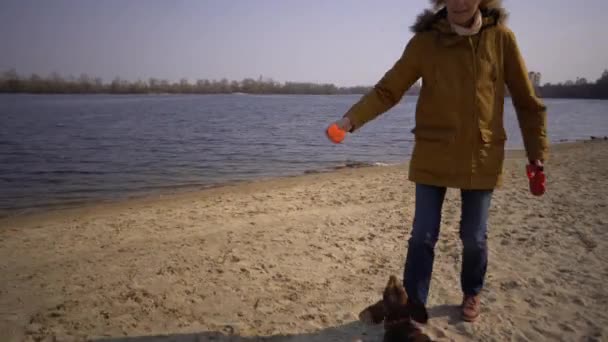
(437, 332)
(532, 302)
(565, 327)
(509, 285)
(578, 301)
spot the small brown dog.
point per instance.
(397, 315)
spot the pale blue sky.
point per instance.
(346, 42)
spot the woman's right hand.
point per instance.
(344, 124)
(337, 130)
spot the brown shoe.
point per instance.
(471, 307)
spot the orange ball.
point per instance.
(335, 134)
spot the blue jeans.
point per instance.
(425, 232)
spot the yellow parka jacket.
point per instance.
(459, 132)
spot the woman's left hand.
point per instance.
(537, 163)
(536, 177)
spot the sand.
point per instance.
(296, 259)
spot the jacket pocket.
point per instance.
(489, 136)
(491, 152)
(434, 135)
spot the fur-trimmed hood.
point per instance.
(492, 11)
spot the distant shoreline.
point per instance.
(409, 93)
(13, 82)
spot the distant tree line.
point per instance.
(580, 88)
(12, 82)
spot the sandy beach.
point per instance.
(296, 259)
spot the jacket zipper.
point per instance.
(475, 114)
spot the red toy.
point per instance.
(537, 179)
(335, 133)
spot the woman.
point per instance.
(465, 55)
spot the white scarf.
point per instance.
(469, 31)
